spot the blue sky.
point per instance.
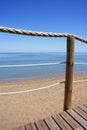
(62, 16)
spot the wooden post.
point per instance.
(69, 73)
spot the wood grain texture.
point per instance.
(73, 119)
(78, 118)
(69, 73)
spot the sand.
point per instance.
(20, 109)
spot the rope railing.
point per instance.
(69, 61)
(78, 63)
(42, 64)
(31, 90)
(36, 33)
(31, 65)
(40, 88)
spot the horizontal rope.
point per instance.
(31, 90)
(31, 65)
(41, 88)
(43, 64)
(79, 81)
(43, 34)
(78, 63)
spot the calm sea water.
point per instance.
(37, 72)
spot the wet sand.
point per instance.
(20, 109)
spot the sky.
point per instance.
(59, 16)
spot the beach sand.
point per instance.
(20, 109)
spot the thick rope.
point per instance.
(43, 64)
(31, 90)
(35, 33)
(31, 65)
(41, 88)
(78, 63)
(80, 81)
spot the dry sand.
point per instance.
(20, 109)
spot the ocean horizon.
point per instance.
(38, 72)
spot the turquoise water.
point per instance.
(37, 72)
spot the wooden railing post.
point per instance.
(69, 73)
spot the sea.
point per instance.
(38, 72)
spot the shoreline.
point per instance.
(29, 79)
(38, 78)
(20, 109)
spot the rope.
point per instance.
(30, 65)
(44, 64)
(79, 81)
(33, 90)
(77, 63)
(43, 34)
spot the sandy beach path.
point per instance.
(20, 109)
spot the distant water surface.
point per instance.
(37, 72)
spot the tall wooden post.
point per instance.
(69, 73)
